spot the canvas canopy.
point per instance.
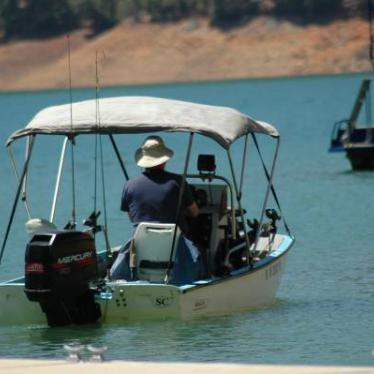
(135, 114)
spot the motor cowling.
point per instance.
(58, 268)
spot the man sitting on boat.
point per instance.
(153, 196)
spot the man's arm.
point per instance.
(124, 200)
(192, 210)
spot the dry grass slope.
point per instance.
(187, 51)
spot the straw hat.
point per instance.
(153, 152)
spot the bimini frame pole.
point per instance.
(58, 179)
(243, 164)
(24, 187)
(180, 198)
(24, 198)
(118, 154)
(270, 184)
(19, 189)
(238, 199)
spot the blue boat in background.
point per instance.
(356, 141)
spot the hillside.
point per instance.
(141, 53)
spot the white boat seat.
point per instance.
(38, 226)
(152, 244)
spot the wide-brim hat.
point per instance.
(152, 153)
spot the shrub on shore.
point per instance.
(45, 18)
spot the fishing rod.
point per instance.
(72, 223)
(96, 130)
(97, 92)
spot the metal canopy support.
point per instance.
(243, 164)
(269, 188)
(13, 162)
(368, 107)
(122, 164)
(365, 86)
(19, 189)
(238, 198)
(105, 228)
(73, 220)
(369, 122)
(180, 198)
(58, 179)
(24, 187)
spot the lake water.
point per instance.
(324, 313)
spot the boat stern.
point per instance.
(123, 301)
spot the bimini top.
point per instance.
(136, 114)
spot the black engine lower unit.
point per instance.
(65, 309)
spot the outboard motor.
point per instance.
(58, 268)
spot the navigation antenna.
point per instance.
(72, 223)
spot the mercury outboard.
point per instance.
(58, 268)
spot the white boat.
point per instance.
(66, 281)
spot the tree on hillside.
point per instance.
(171, 10)
(36, 18)
(131, 9)
(230, 12)
(43, 18)
(165, 10)
(316, 9)
(100, 14)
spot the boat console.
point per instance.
(210, 228)
(219, 230)
(217, 223)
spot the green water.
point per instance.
(325, 306)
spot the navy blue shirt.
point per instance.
(153, 197)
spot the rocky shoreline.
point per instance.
(146, 53)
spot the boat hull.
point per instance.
(243, 290)
(122, 301)
(16, 309)
(361, 158)
(239, 293)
